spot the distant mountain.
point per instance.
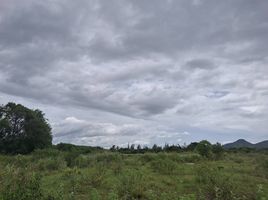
(243, 143)
(262, 145)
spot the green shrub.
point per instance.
(164, 166)
(190, 158)
(45, 153)
(22, 161)
(261, 194)
(147, 157)
(70, 158)
(116, 167)
(57, 194)
(204, 148)
(72, 178)
(187, 197)
(94, 194)
(19, 185)
(132, 185)
(108, 158)
(83, 161)
(213, 184)
(51, 164)
(97, 175)
(112, 196)
(263, 167)
(217, 151)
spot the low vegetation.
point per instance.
(51, 174)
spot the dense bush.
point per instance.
(213, 184)
(164, 166)
(51, 164)
(20, 185)
(217, 151)
(83, 161)
(23, 130)
(46, 153)
(132, 185)
(262, 166)
(70, 158)
(204, 149)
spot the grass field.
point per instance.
(54, 175)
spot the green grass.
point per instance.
(54, 175)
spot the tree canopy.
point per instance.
(22, 130)
(204, 148)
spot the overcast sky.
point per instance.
(136, 71)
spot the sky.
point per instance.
(136, 71)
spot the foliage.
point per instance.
(21, 186)
(217, 150)
(164, 166)
(204, 149)
(148, 176)
(132, 185)
(23, 130)
(214, 184)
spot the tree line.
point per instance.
(204, 148)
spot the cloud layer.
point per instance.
(144, 72)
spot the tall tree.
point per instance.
(22, 130)
(204, 148)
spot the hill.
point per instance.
(241, 143)
(262, 145)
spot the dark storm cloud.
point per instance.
(199, 64)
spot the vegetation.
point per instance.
(22, 130)
(101, 174)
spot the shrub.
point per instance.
(132, 185)
(190, 158)
(147, 157)
(108, 158)
(94, 194)
(116, 167)
(187, 197)
(22, 161)
(213, 184)
(97, 175)
(70, 158)
(21, 186)
(164, 166)
(51, 164)
(262, 167)
(72, 178)
(204, 149)
(217, 150)
(45, 153)
(261, 195)
(112, 196)
(82, 161)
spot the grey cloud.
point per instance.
(200, 64)
(217, 94)
(79, 131)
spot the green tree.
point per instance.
(192, 146)
(217, 150)
(204, 148)
(22, 130)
